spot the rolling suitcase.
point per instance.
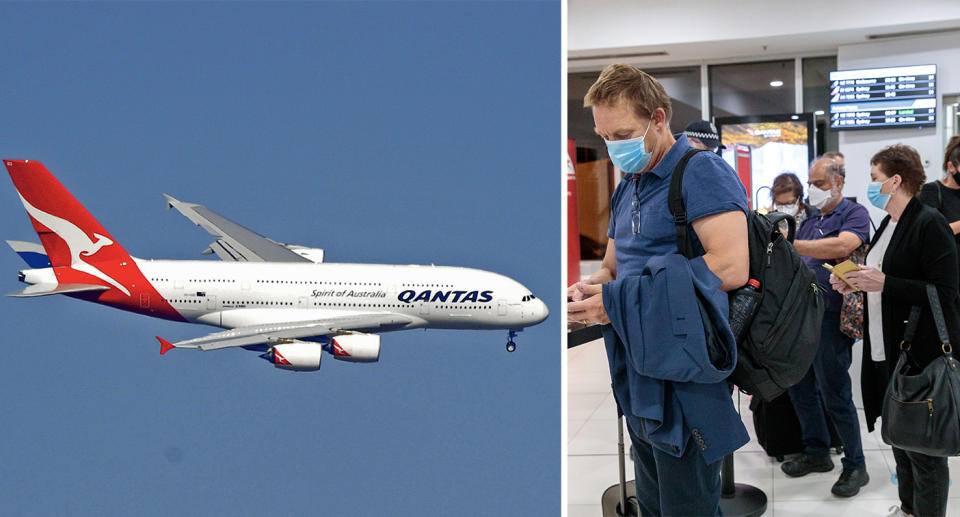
(616, 500)
(778, 430)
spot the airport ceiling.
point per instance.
(596, 37)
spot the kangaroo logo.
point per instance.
(80, 245)
(338, 350)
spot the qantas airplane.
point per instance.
(279, 299)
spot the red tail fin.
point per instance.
(80, 250)
(70, 235)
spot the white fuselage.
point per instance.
(239, 294)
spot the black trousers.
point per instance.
(923, 482)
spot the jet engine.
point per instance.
(298, 356)
(355, 348)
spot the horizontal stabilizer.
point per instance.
(46, 289)
(31, 253)
(165, 346)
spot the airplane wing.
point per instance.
(258, 334)
(234, 242)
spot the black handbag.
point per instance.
(921, 409)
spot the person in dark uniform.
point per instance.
(702, 134)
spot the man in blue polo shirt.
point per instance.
(841, 227)
(631, 112)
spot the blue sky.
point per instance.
(382, 132)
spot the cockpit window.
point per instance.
(529, 297)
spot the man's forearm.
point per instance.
(823, 249)
(601, 276)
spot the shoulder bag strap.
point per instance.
(677, 208)
(911, 328)
(939, 319)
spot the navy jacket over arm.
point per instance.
(663, 379)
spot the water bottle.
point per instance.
(743, 306)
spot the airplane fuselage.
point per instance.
(239, 294)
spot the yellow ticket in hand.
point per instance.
(843, 268)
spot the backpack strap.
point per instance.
(777, 217)
(677, 208)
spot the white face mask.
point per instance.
(787, 209)
(820, 198)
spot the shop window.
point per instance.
(742, 89)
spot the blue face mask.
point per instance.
(876, 198)
(629, 155)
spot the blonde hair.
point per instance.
(628, 83)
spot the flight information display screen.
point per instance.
(902, 96)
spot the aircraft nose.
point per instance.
(541, 312)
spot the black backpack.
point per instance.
(782, 338)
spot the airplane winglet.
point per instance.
(165, 346)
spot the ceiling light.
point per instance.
(794, 117)
(818, 112)
(776, 84)
(911, 33)
(628, 55)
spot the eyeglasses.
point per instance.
(635, 214)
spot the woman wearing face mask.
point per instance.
(787, 194)
(944, 194)
(912, 248)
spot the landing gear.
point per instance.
(511, 346)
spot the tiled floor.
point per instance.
(592, 456)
